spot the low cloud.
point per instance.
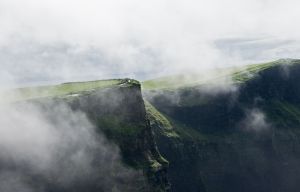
(56, 147)
(55, 41)
(255, 120)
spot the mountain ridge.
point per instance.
(237, 135)
(240, 138)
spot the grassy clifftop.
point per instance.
(222, 75)
(61, 90)
(116, 108)
(200, 128)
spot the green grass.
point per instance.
(160, 120)
(283, 114)
(113, 126)
(225, 75)
(250, 71)
(57, 90)
(151, 110)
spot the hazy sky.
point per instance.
(44, 41)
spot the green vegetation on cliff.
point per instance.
(213, 136)
(57, 90)
(238, 137)
(159, 121)
(223, 75)
(116, 109)
(283, 114)
(71, 88)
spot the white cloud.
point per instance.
(74, 40)
(255, 120)
(57, 145)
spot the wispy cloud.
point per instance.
(58, 146)
(76, 40)
(255, 120)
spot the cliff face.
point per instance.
(119, 113)
(242, 138)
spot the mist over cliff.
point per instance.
(55, 41)
(184, 132)
(149, 96)
(50, 147)
(240, 139)
(80, 136)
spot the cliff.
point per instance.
(236, 131)
(242, 136)
(116, 108)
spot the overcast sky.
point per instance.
(46, 41)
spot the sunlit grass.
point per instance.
(55, 90)
(225, 75)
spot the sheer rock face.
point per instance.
(118, 113)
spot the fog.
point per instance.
(255, 121)
(53, 41)
(44, 42)
(46, 146)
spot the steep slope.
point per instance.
(240, 136)
(235, 130)
(117, 109)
